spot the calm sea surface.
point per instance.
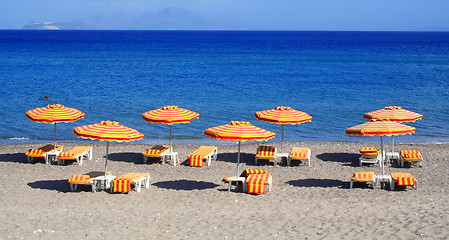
(117, 75)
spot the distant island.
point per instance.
(166, 19)
(56, 26)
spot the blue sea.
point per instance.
(336, 77)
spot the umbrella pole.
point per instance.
(54, 145)
(106, 161)
(382, 155)
(170, 140)
(392, 143)
(238, 160)
(282, 143)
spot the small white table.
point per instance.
(280, 155)
(236, 180)
(382, 179)
(173, 157)
(51, 156)
(392, 155)
(100, 181)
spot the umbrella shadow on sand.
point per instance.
(126, 157)
(314, 182)
(349, 159)
(186, 185)
(247, 158)
(16, 157)
(52, 185)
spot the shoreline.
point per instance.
(186, 202)
(205, 141)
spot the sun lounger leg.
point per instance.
(94, 185)
(147, 182)
(145, 159)
(270, 183)
(138, 184)
(350, 184)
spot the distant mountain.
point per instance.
(166, 19)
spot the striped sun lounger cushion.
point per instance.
(66, 155)
(406, 181)
(411, 155)
(300, 153)
(403, 179)
(248, 172)
(368, 151)
(256, 182)
(196, 161)
(74, 152)
(196, 158)
(122, 184)
(156, 151)
(134, 176)
(80, 179)
(40, 152)
(363, 177)
(266, 152)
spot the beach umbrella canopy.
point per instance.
(170, 115)
(54, 113)
(393, 113)
(283, 115)
(108, 131)
(380, 128)
(239, 131)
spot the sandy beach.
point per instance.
(185, 202)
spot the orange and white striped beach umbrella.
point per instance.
(283, 115)
(380, 128)
(108, 131)
(53, 114)
(239, 131)
(170, 115)
(394, 113)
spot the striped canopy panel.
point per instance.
(393, 113)
(170, 115)
(54, 113)
(380, 128)
(109, 131)
(283, 115)
(239, 131)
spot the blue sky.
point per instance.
(364, 15)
